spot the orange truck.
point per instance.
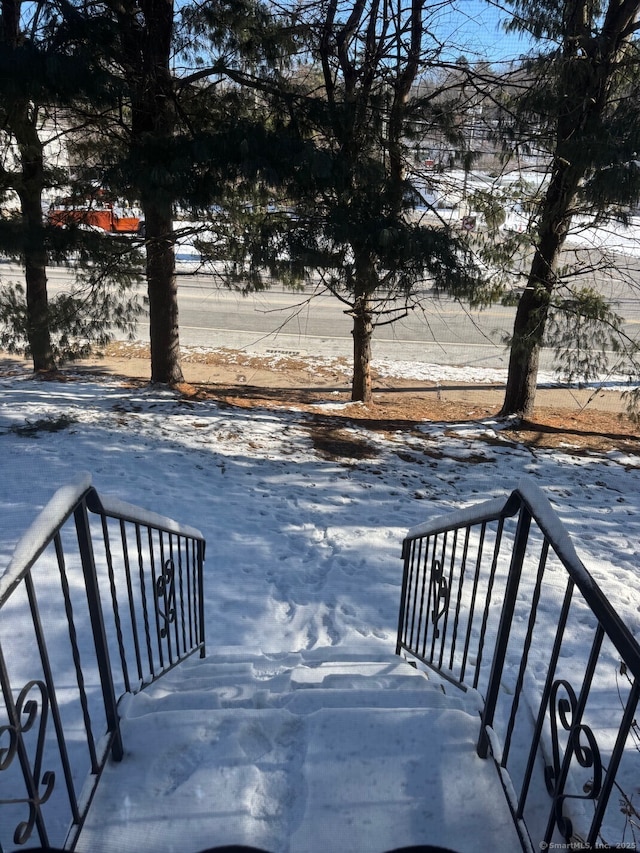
(108, 217)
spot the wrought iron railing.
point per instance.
(99, 599)
(496, 600)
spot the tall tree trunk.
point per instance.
(533, 306)
(34, 252)
(589, 64)
(147, 41)
(158, 210)
(163, 295)
(30, 187)
(38, 331)
(361, 387)
(524, 355)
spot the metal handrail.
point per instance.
(461, 592)
(38, 536)
(127, 580)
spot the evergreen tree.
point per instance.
(142, 50)
(331, 160)
(21, 105)
(582, 99)
(46, 72)
(172, 141)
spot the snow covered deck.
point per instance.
(296, 753)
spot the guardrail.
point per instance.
(496, 600)
(99, 599)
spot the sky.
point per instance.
(475, 29)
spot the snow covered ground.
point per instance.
(303, 551)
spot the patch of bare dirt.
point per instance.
(586, 431)
(333, 442)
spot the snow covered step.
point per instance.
(212, 699)
(262, 683)
(294, 701)
(345, 780)
(371, 675)
(310, 701)
(379, 780)
(295, 671)
(300, 753)
(275, 661)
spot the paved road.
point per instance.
(441, 332)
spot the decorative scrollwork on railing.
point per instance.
(28, 711)
(581, 744)
(440, 595)
(166, 592)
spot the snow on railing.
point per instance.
(495, 598)
(40, 533)
(99, 598)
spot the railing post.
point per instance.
(504, 628)
(201, 552)
(406, 551)
(97, 624)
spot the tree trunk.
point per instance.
(163, 295)
(589, 64)
(29, 187)
(533, 306)
(362, 332)
(38, 331)
(147, 41)
(35, 259)
(524, 356)
(159, 119)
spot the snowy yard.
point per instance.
(303, 552)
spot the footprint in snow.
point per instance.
(254, 742)
(177, 768)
